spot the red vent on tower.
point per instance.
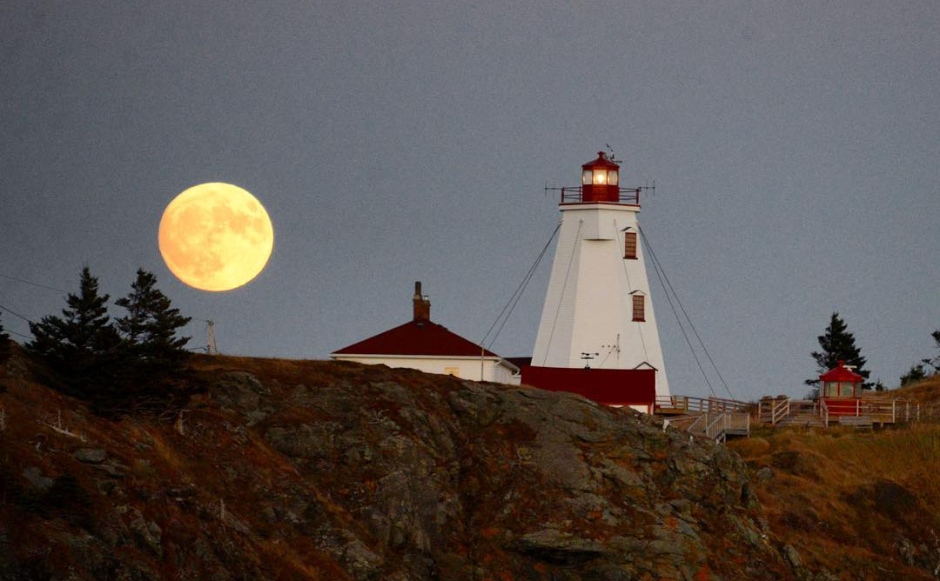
(600, 180)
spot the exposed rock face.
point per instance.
(525, 481)
(339, 471)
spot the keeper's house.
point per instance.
(426, 346)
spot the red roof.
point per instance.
(417, 339)
(600, 162)
(841, 373)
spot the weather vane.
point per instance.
(611, 155)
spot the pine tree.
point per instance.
(149, 330)
(914, 374)
(82, 346)
(4, 344)
(838, 345)
(935, 360)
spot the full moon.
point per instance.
(215, 237)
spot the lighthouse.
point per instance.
(597, 334)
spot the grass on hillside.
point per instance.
(854, 500)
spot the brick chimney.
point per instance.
(422, 305)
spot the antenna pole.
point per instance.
(211, 348)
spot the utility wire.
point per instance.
(675, 313)
(29, 282)
(15, 314)
(564, 285)
(514, 299)
(626, 275)
(4, 309)
(662, 274)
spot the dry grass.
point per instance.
(927, 393)
(848, 499)
(151, 460)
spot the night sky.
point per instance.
(794, 146)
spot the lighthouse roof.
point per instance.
(417, 338)
(601, 162)
(841, 373)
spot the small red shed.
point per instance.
(840, 389)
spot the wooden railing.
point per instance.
(684, 404)
(780, 410)
(774, 410)
(719, 425)
(879, 410)
(574, 195)
(770, 411)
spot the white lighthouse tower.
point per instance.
(598, 334)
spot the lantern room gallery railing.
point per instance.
(574, 195)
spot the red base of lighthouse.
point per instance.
(615, 387)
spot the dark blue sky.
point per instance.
(794, 146)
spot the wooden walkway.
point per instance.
(713, 418)
(718, 419)
(867, 412)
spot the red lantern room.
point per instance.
(600, 180)
(841, 390)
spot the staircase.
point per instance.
(783, 411)
(804, 419)
(712, 418)
(716, 426)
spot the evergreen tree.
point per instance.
(935, 360)
(914, 374)
(149, 330)
(82, 346)
(838, 345)
(4, 344)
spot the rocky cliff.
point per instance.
(321, 470)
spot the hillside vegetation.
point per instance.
(321, 470)
(857, 503)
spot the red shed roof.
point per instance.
(841, 373)
(417, 338)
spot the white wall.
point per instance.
(463, 367)
(588, 305)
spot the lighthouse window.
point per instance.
(839, 389)
(629, 245)
(639, 308)
(848, 389)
